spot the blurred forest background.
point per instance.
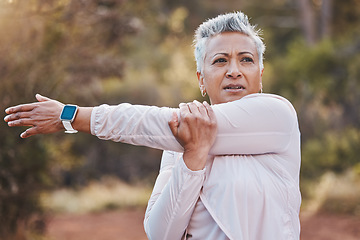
(91, 52)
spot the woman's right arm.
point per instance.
(43, 117)
(255, 124)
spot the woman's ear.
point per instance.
(200, 78)
(201, 83)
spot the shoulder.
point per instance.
(260, 102)
(268, 98)
(273, 102)
(258, 109)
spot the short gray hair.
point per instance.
(230, 22)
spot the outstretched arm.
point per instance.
(255, 124)
(43, 117)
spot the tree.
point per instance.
(307, 21)
(59, 48)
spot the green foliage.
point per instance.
(335, 151)
(53, 48)
(322, 82)
(23, 166)
(348, 23)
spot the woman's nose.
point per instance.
(233, 71)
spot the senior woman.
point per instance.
(230, 170)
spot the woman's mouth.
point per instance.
(234, 88)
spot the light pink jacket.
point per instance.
(249, 189)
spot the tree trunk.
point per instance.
(326, 18)
(307, 21)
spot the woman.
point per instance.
(230, 171)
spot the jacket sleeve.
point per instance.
(173, 199)
(255, 124)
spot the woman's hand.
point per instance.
(195, 131)
(42, 116)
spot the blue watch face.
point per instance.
(68, 112)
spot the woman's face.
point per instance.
(231, 68)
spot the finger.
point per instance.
(200, 107)
(41, 98)
(21, 122)
(193, 108)
(184, 109)
(29, 132)
(210, 112)
(21, 108)
(16, 116)
(174, 124)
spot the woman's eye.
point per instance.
(220, 60)
(247, 59)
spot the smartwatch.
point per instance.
(67, 117)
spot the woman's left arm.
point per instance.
(179, 183)
(255, 124)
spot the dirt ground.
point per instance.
(128, 225)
